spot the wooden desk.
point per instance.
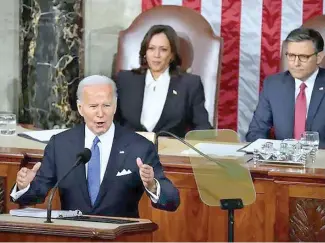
(290, 202)
(25, 229)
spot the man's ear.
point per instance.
(115, 106)
(79, 106)
(320, 57)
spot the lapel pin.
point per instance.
(121, 152)
(321, 88)
(174, 92)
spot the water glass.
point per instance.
(313, 137)
(267, 150)
(256, 156)
(290, 141)
(282, 153)
(7, 123)
(297, 152)
(310, 139)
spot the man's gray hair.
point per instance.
(94, 80)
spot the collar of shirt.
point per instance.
(309, 87)
(105, 138)
(161, 79)
(106, 141)
(154, 98)
(309, 82)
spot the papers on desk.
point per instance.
(42, 136)
(258, 145)
(222, 150)
(42, 213)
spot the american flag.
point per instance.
(253, 32)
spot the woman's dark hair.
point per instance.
(175, 64)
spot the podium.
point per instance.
(285, 196)
(27, 229)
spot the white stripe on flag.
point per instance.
(323, 6)
(249, 63)
(172, 2)
(211, 11)
(291, 17)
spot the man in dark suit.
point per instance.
(292, 102)
(123, 164)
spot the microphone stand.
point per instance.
(186, 143)
(81, 158)
(49, 205)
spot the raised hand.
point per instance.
(147, 175)
(25, 176)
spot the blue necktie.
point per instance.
(93, 175)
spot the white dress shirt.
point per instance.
(309, 87)
(105, 141)
(155, 94)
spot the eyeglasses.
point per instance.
(302, 57)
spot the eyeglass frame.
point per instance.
(300, 56)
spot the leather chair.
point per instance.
(316, 23)
(200, 50)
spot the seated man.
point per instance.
(123, 164)
(293, 101)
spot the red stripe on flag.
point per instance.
(271, 38)
(192, 4)
(148, 4)
(312, 8)
(228, 93)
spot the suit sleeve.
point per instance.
(44, 179)
(199, 115)
(169, 196)
(262, 120)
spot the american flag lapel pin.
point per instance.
(174, 92)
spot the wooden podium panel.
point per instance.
(24, 229)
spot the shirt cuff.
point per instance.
(15, 195)
(155, 197)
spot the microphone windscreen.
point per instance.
(85, 155)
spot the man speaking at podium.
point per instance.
(122, 166)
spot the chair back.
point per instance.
(200, 49)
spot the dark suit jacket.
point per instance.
(182, 111)
(276, 108)
(118, 195)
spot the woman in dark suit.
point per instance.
(159, 96)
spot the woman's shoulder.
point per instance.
(190, 78)
(126, 75)
(123, 73)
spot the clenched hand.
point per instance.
(25, 176)
(147, 176)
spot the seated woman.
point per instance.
(159, 96)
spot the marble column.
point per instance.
(51, 62)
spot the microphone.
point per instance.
(82, 157)
(187, 144)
